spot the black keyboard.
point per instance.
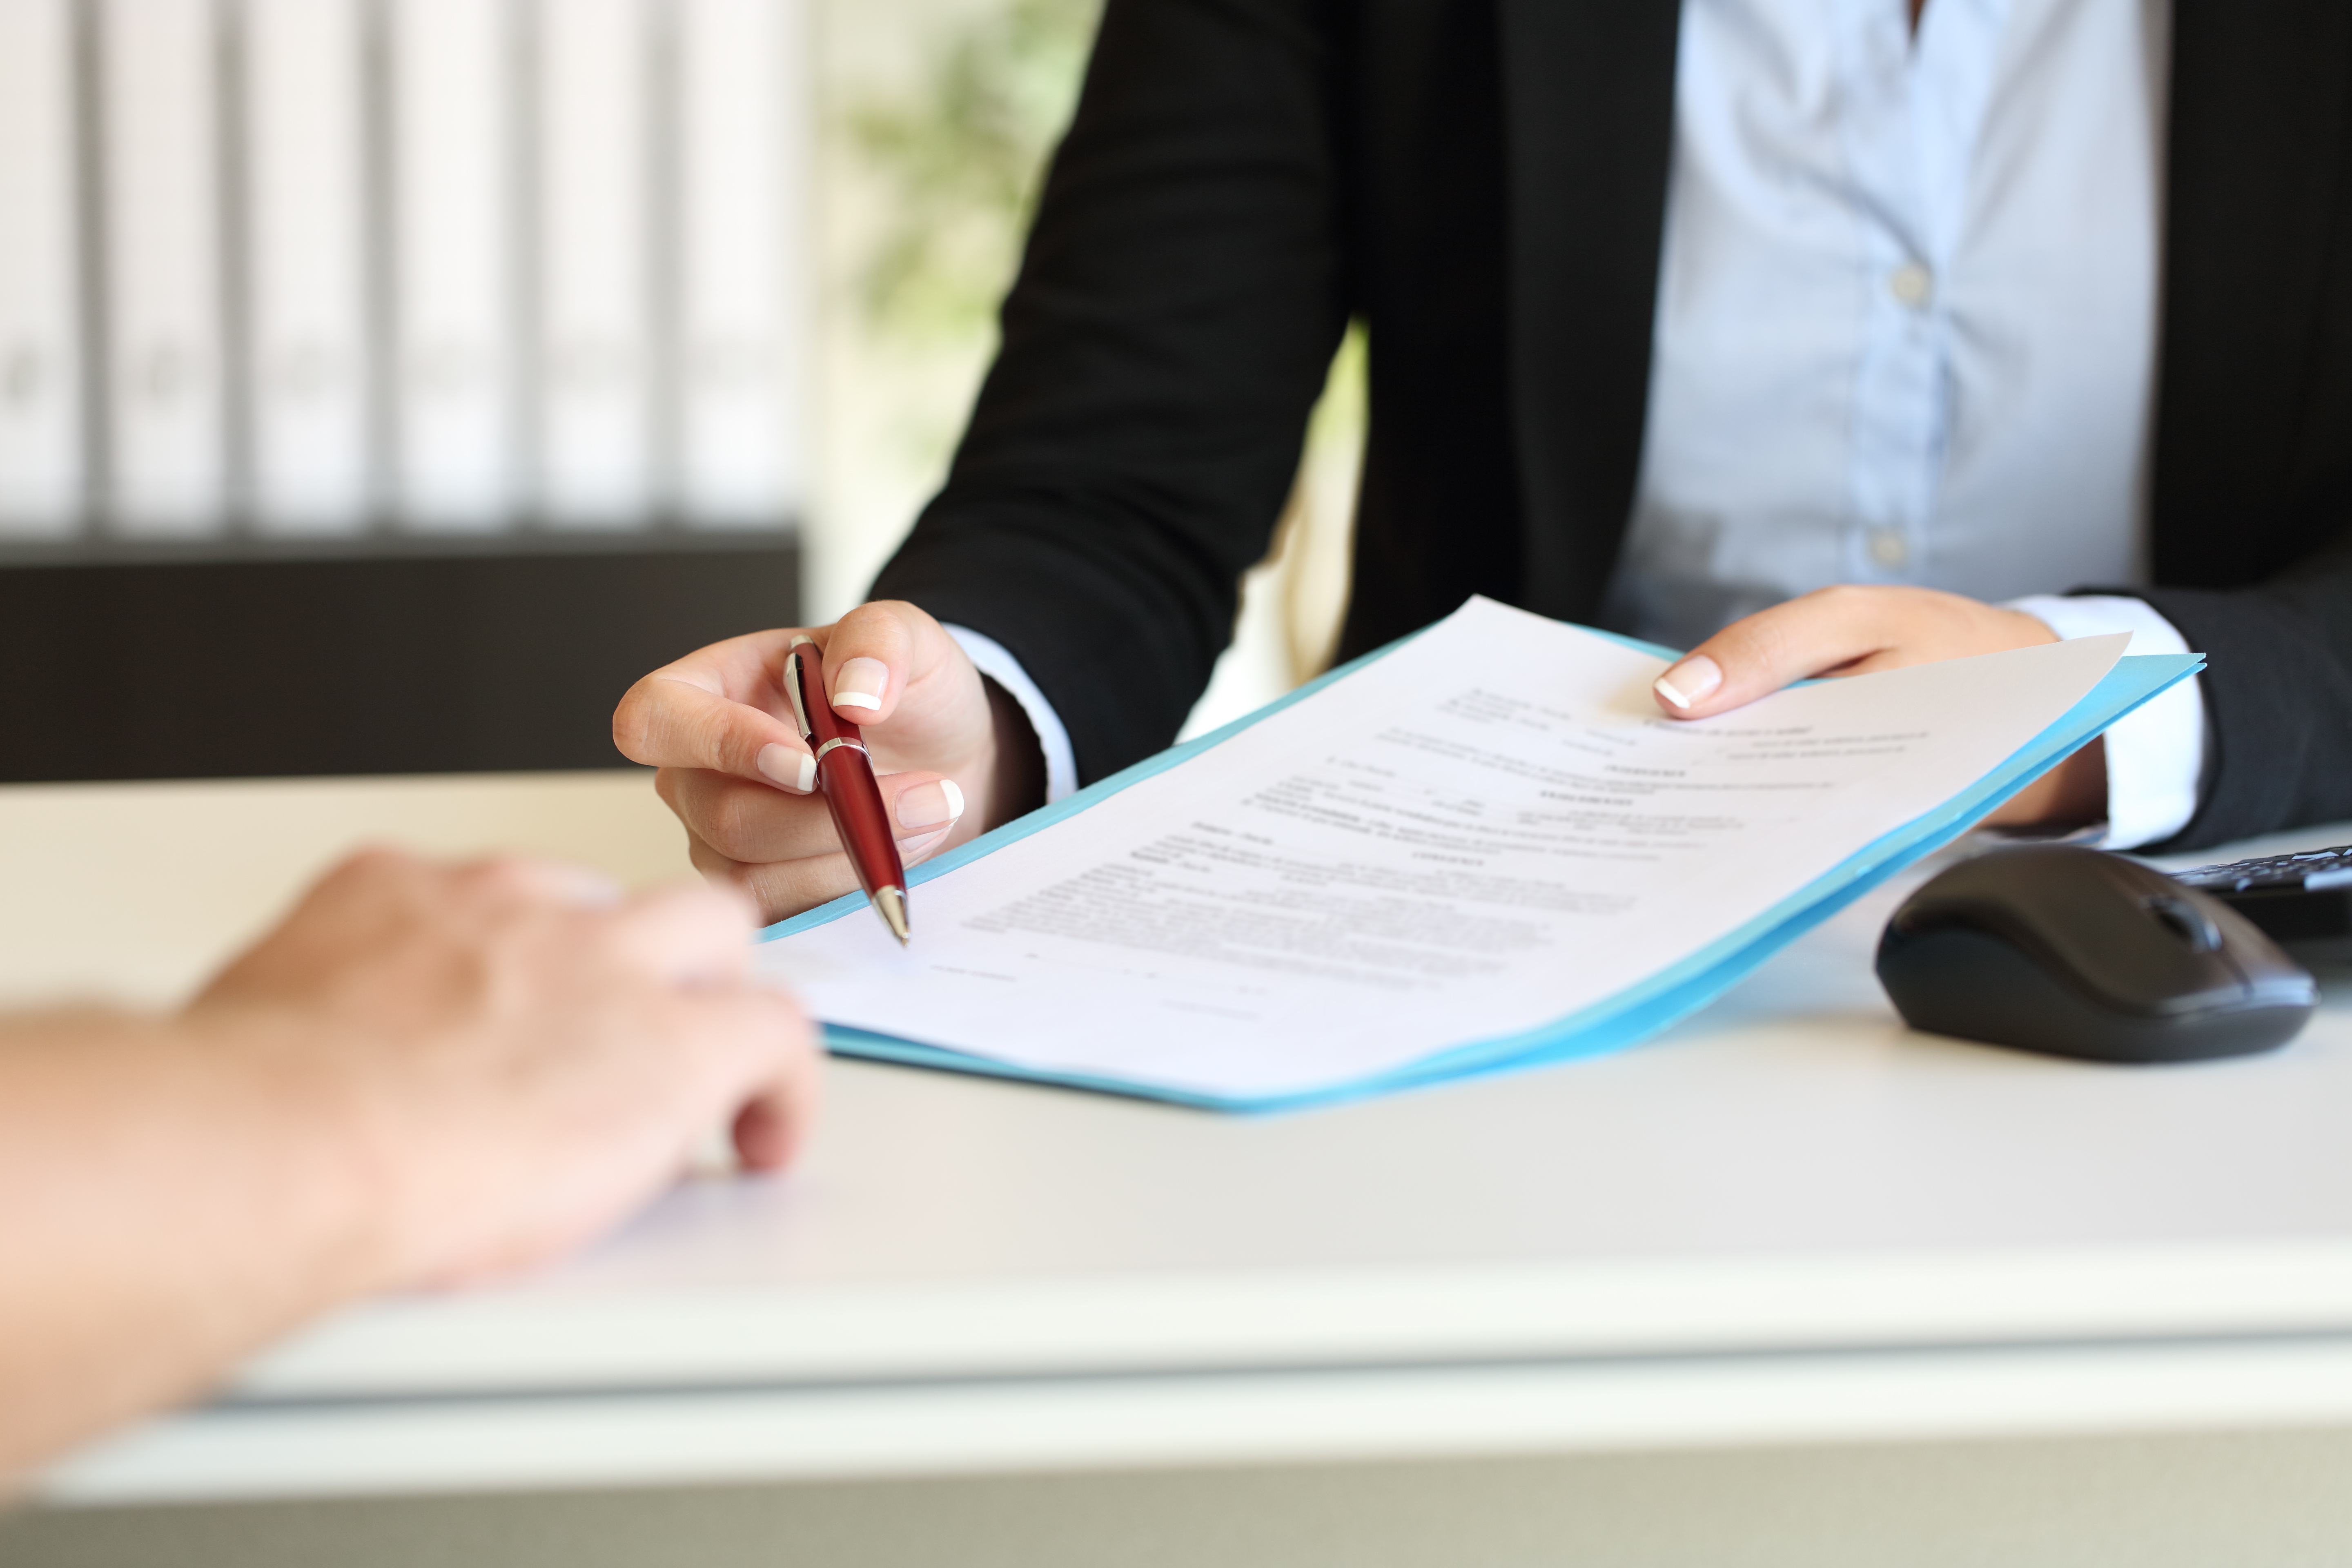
(2303, 901)
(2312, 871)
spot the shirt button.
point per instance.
(1888, 548)
(1912, 284)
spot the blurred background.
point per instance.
(385, 383)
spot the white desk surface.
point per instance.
(1787, 1220)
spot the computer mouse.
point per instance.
(2078, 953)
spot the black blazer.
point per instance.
(1483, 182)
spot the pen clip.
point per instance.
(792, 676)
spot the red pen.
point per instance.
(845, 776)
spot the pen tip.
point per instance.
(890, 903)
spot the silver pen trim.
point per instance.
(792, 691)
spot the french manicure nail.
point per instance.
(928, 805)
(913, 849)
(1690, 680)
(796, 771)
(861, 684)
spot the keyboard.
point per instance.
(2303, 901)
(2313, 871)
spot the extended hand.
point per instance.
(954, 755)
(508, 1056)
(425, 1073)
(1852, 630)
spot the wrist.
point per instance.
(2072, 794)
(171, 1203)
(323, 1169)
(1016, 767)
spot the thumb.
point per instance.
(1757, 656)
(882, 655)
(870, 657)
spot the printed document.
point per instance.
(1486, 829)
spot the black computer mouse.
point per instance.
(2078, 953)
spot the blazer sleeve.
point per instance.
(1173, 323)
(2278, 694)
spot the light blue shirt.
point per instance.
(1906, 333)
(1906, 328)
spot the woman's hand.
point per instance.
(1852, 630)
(954, 755)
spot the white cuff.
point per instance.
(994, 661)
(2156, 755)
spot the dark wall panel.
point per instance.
(223, 669)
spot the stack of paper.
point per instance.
(1480, 848)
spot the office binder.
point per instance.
(456, 288)
(593, 253)
(166, 387)
(42, 472)
(307, 354)
(742, 95)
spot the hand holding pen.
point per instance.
(735, 768)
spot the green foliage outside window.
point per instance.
(960, 157)
(963, 154)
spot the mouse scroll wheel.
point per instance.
(2192, 925)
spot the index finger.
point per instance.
(690, 934)
(710, 710)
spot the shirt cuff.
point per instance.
(2156, 754)
(994, 661)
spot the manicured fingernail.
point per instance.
(913, 849)
(795, 769)
(1689, 681)
(861, 684)
(928, 805)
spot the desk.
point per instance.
(1786, 1228)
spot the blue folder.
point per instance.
(1618, 1021)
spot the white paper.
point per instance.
(457, 290)
(595, 253)
(742, 161)
(307, 286)
(1483, 832)
(41, 469)
(166, 380)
